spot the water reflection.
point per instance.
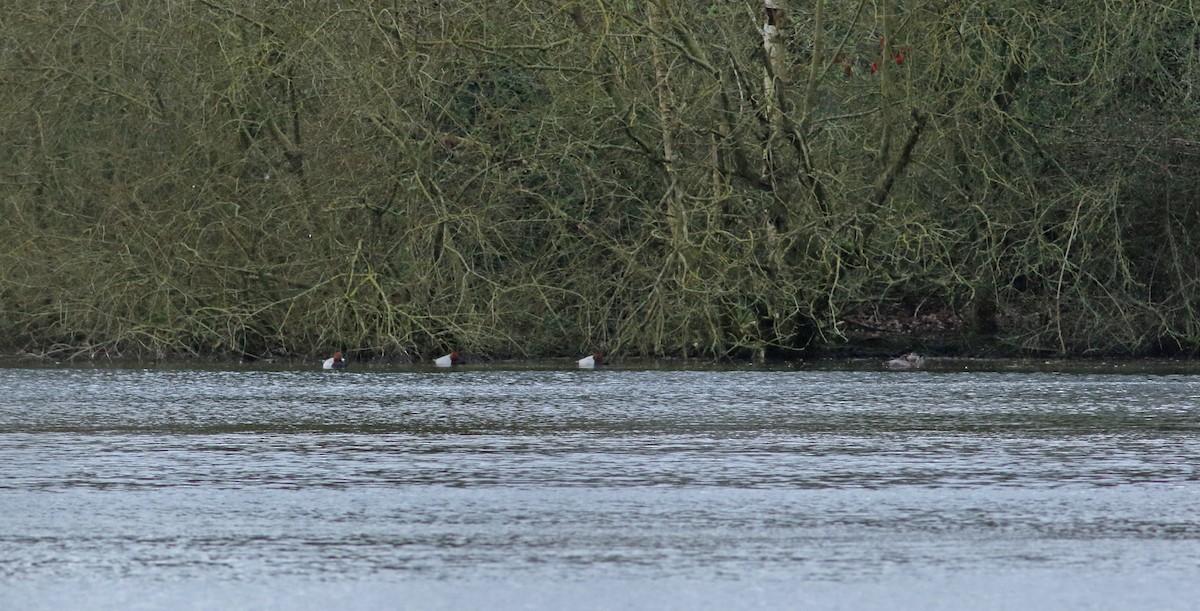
(597, 475)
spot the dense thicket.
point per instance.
(537, 177)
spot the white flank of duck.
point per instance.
(337, 361)
(590, 361)
(446, 360)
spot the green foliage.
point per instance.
(543, 178)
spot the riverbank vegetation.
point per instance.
(725, 178)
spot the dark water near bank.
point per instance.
(599, 489)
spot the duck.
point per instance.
(337, 361)
(446, 360)
(591, 361)
(910, 360)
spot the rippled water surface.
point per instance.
(608, 489)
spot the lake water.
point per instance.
(606, 489)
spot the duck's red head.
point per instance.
(454, 357)
(337, 356)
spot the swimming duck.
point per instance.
(337, 361)
(591, 361)
(446, 360)
(911, 360)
